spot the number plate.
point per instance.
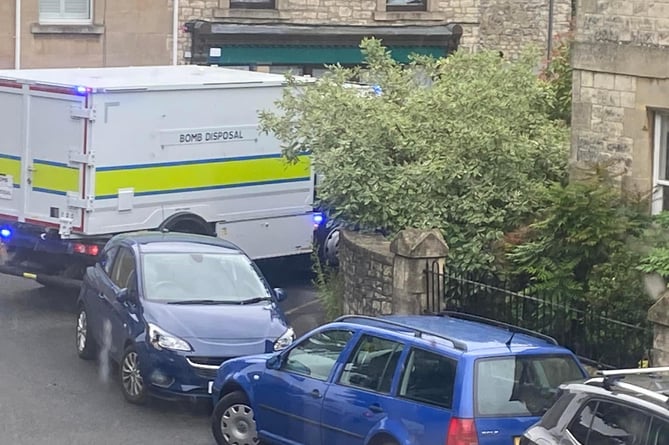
(210, 389)
(516, 441)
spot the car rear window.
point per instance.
(526, 385)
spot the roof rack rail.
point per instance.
(632, 371)
(458, 344)
(500, 324)
(612, 378)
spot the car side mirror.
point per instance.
(274, 362)
(126, 295)
(123, 295)
(280, 294)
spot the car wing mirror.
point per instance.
(280, 294)
(123, 295)
(274, 362)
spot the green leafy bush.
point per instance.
(582, 249)
(465, 144)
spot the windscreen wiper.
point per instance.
(211, 302)
(255, 300)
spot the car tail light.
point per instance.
(86, 249)
(462, 432)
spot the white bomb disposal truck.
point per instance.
(89, 153)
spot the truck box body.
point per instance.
(95, 152)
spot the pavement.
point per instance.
(48, 395)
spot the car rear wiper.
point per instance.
(255, 300)
(212, 302)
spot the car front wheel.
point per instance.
(85, 342)
(233, 421)
(132, 381)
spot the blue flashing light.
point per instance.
(83, 90)
(5, 233)
(318, 219)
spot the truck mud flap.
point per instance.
(43, 279)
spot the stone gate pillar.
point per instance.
(414, 249)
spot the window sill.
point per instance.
(40, 28)
(386, 16)
(248, 14)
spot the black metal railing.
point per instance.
(592, 334)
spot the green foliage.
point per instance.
(557, 76)
(656, 259)
(464, 144)
(581, 251)
(329, 286)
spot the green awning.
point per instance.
(310, 54)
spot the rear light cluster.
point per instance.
(462, 432)
(86, 249)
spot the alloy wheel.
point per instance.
(82, 326)
(238, 425)
(133, 383)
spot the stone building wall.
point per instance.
(620, 60)
(120, 32)
(504, 25)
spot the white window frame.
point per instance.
(660, 159)
(64, 19)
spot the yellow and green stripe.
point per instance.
(162, 178)
(11, 165)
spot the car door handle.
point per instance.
(375, 408)
(316, 394)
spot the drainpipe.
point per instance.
(17, 36)
(551, 7)
(175, 31)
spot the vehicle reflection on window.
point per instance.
(372, 364)
(604, 423)
(428, 378)
(521, 385)
(316, 356)
(227, 277)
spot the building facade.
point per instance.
(621, 91)
(81, 33)
(85, 33)
(275, 34)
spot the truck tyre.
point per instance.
(233, 421)
(187, 223)
(86, 347)
(330, 248)
(132, 381)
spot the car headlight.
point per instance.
(161, 339)
(285, 340)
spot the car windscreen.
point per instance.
(205, 277)
(525, 385)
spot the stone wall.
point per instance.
(505, 25)
(620, 60)
(121, 32)
(382, 277)
(509, 26)
(366, 265)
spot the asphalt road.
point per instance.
(48, 395)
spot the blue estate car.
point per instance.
(451, 379)
(171, 307)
